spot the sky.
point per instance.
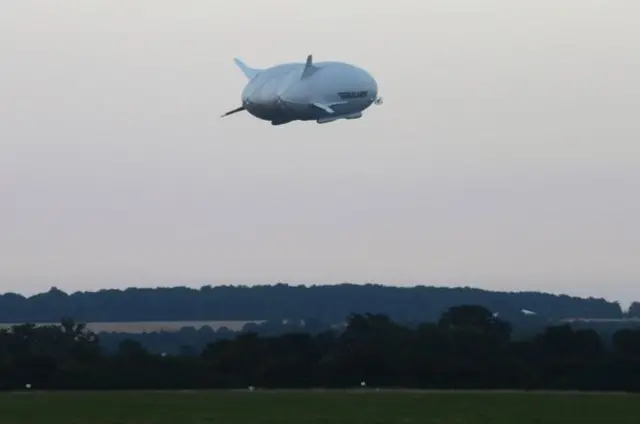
(506, 154)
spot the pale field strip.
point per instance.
(150, 326)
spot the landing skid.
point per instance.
(326, 120)
(276, 123)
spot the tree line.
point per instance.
(191, 338)
(468, 346)
(329, 303)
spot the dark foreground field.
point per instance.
(402, 407)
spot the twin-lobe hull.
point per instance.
(322, 92)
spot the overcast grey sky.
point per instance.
(506, 154)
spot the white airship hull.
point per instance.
(322, 92)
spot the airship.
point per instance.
(311, 91)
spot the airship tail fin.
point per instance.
(328, 107)
(309, 68)
(250, 73)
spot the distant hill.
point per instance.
(330, 303)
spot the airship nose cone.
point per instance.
(265, 95)
(263, 99)
(280, 103)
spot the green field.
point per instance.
(402, 407)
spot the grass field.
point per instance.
(137, 327)
(401, 407)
